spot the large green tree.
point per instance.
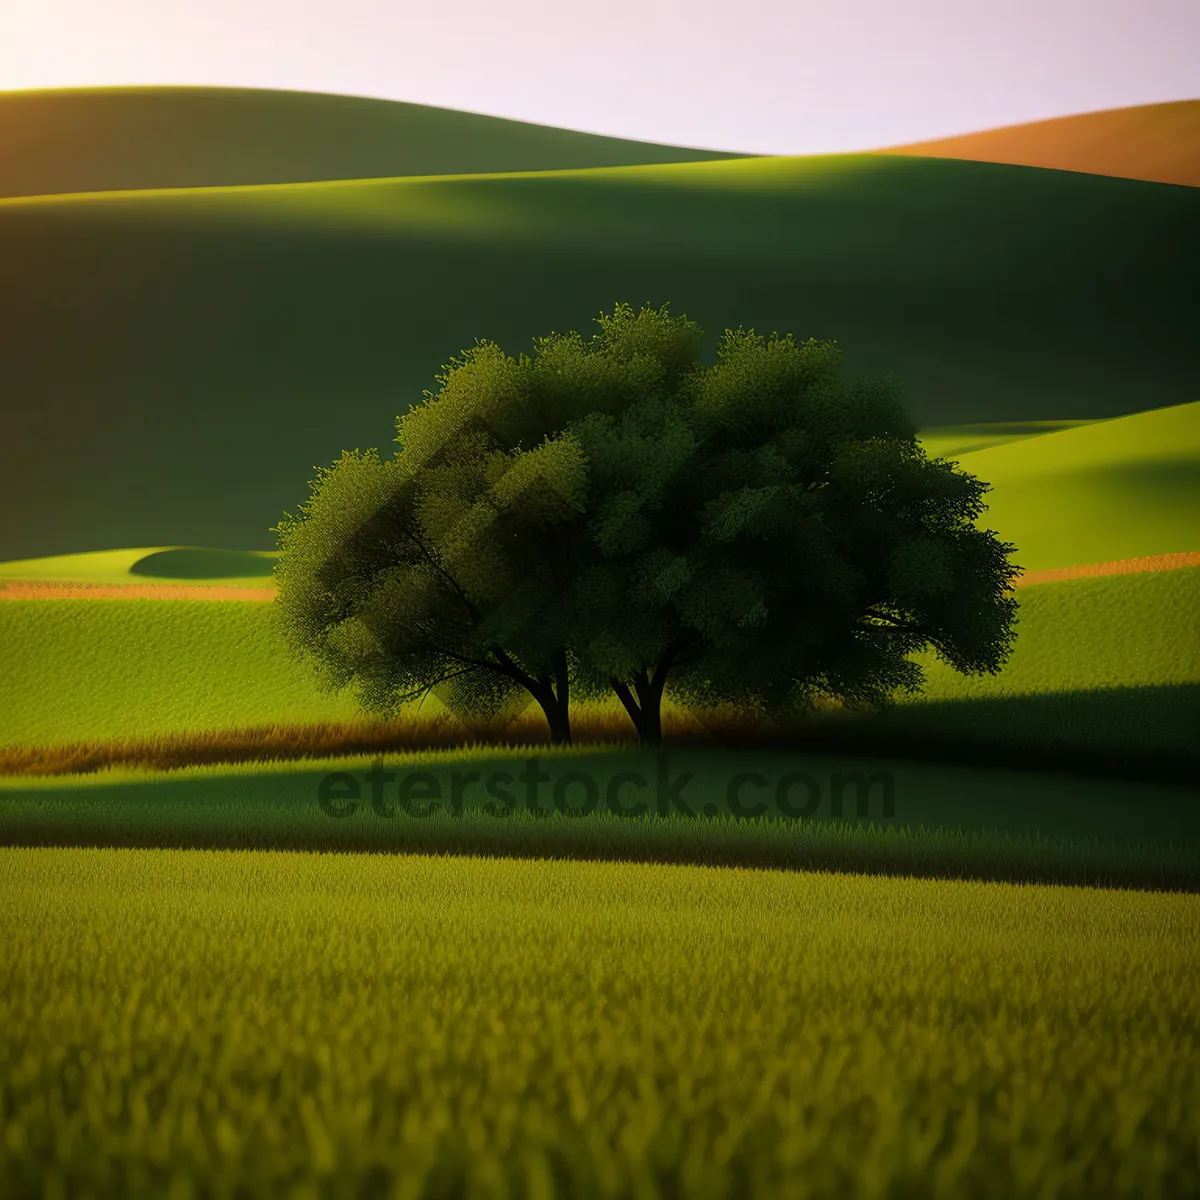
(610, 513)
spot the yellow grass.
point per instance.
(271, 1024)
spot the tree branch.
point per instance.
(433, 561)
(514, 672)
(427, 688)
(901, 626)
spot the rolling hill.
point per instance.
(1122, 488)
(1157, 142)
(147, 565)
(109, 139)
(175, 363)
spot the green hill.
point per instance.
(109, 139)
(177, 362)
(1123, 488)
(156, 564)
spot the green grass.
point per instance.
(269, 1024)
(149, 564)
(760, 808)
(104, 139)
(187, 564)
(78, 670)
(1109, 631)
(1122, 488)
(1103, 667)
(268, 328)
(100, 566)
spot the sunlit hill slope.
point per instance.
(1158, 142)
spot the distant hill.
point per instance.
(173, 365)
(108, 139)
(1155, 142)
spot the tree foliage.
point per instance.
(612, 513)
(806, 547)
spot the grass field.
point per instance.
(78, 670)
(111, 668)
(1065, 492)
(1100, 491)
(305, 317)
(1115, 631)
(105, 139)
(1107, 666)
(320, 1025)
(758, 807)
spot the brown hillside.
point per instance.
(1157, 142)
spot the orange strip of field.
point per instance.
(1120, 566)
(54, 590)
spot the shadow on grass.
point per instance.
(685, 805)
(1146, 733)
(1143, 734)
(200, 562)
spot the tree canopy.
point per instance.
(613, 513)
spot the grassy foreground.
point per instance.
(343, 1025)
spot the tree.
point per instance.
(805, 546)
(611, 514)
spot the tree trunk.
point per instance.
(558, 718)
(629, 703)
(643, 702)
(554, 696)
(651, 705)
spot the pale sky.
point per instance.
(760, 76)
